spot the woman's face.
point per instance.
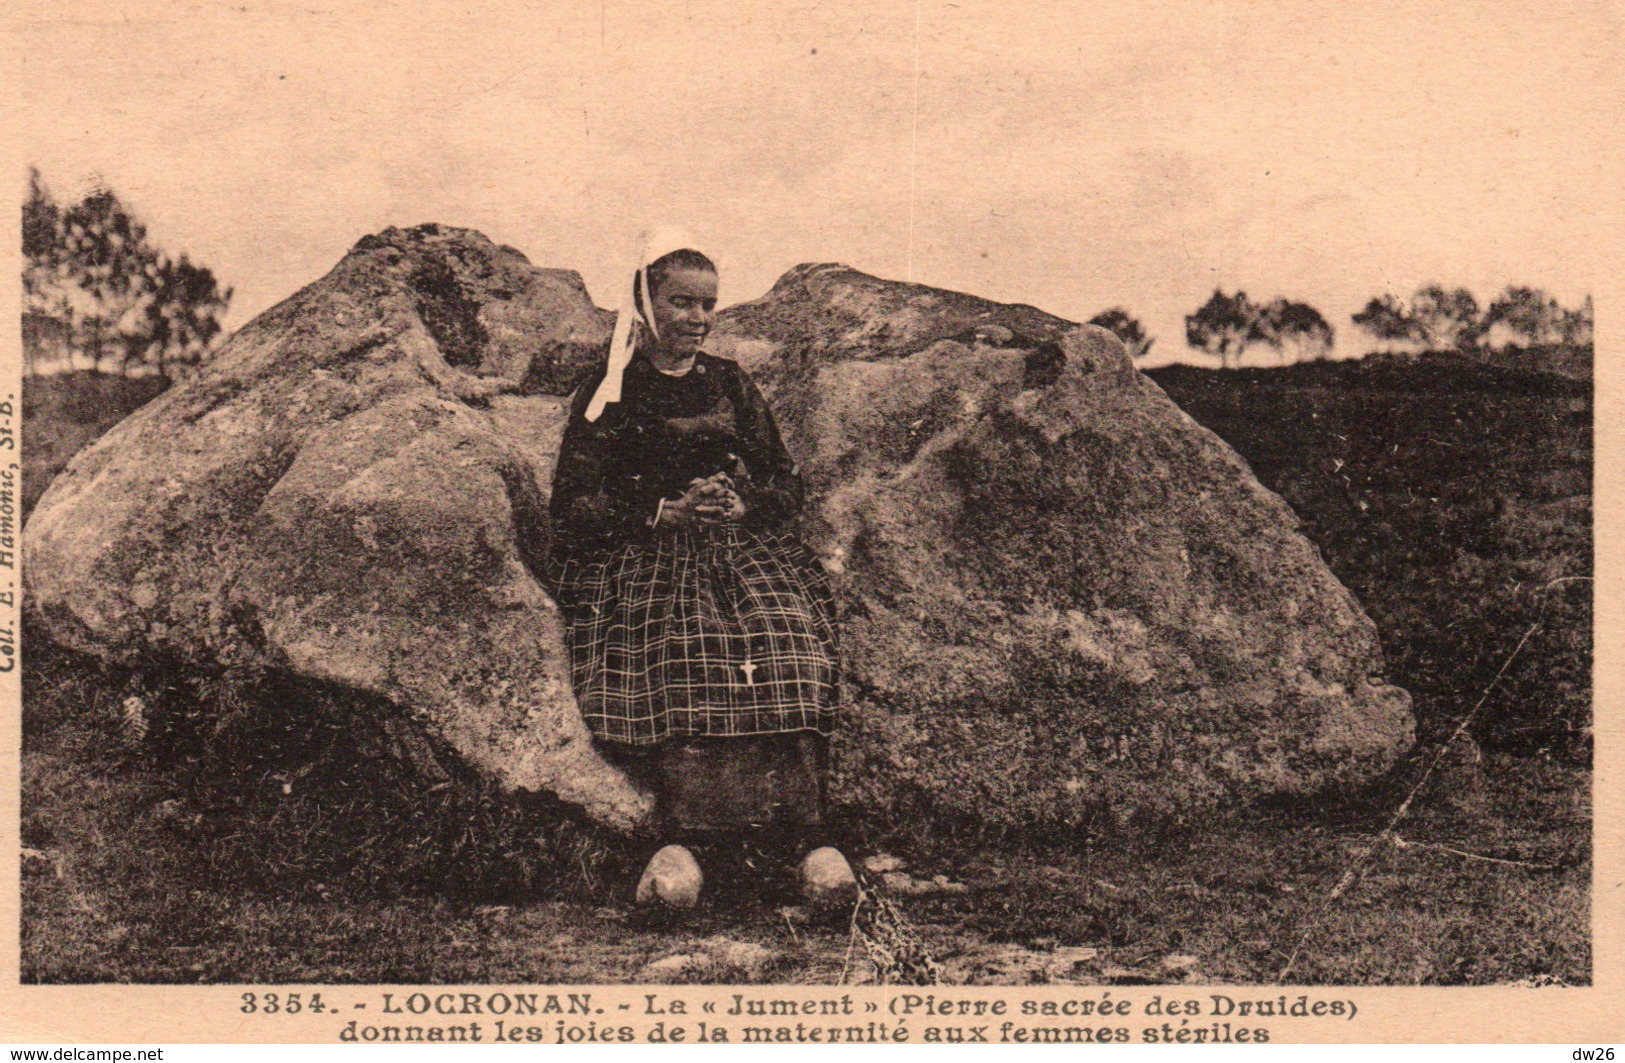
(685, 306)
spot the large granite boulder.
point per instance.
(344, 495)
(1061, 596)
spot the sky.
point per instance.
(1069, 155)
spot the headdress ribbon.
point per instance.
(636, 303)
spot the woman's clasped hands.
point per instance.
(706, 503)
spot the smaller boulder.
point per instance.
(827, 880)
(673, 877)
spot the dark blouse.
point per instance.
(665, 432)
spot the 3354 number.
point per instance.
(281, 1003)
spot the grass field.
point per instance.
(1453, 498)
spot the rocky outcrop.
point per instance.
(1060, 595)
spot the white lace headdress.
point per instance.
(635, 303)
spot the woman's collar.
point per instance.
(674, 373)
(677, 374)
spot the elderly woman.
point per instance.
(702, 632)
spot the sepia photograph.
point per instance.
(934, 494)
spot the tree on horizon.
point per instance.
(1120, 323)
(1386, 318)
(1439, 318)
(1538, 318)
(1298, 328)
(1446, 319)
(1436, 318)
(1225, 326)
(94, 286)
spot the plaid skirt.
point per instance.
(712, 633)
